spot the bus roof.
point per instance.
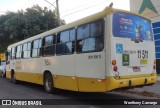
(96, 16)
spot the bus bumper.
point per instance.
(113, 83)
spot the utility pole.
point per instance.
(57, 10)
(58, 14)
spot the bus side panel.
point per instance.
(35, 74)
(65, 82)
(9, 67)
(90, 67)
(64, 69)
(91, 85)
(30, 72)
(8, 74)
(18, 68)
(36, 78)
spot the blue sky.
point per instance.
(68, 8)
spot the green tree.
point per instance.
(17, 26)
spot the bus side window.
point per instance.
(28, 49)
(65, 42)
(82, 33)
(48, 45)
(90, 37)
(36, 48)
(18, 51)
(13, 53)
(24, 52)
(7, 57)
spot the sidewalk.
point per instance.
(158, 78)
(153, 90)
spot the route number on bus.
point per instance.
(142, 54)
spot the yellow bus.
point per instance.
(105, 51)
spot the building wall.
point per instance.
(149, 11)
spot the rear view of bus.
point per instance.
(132, 51)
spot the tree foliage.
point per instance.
(17, 26)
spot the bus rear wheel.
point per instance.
(48, 83)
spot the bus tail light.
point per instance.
(155, 61)
(113, 62)
(115, 68)
(154, 66)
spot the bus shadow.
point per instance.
(28, 85)
(91, 95)
(71, 97)
(94, 98)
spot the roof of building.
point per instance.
(147, 4)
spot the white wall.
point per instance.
(136, 4)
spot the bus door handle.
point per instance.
(136, 40)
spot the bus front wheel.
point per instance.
(13, 77)
(3, 75)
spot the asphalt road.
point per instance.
(24, 90)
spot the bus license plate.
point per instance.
(144, 61)
(136, 69)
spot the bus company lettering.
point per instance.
(129, 52)
(94, 57)
(18, 65)
(47, 62)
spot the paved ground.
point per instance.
(152, 91)
(158, 77)
(8, 90)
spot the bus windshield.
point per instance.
(127, 25)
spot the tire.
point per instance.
(3, 75)
(48, 84)
(13, 78)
